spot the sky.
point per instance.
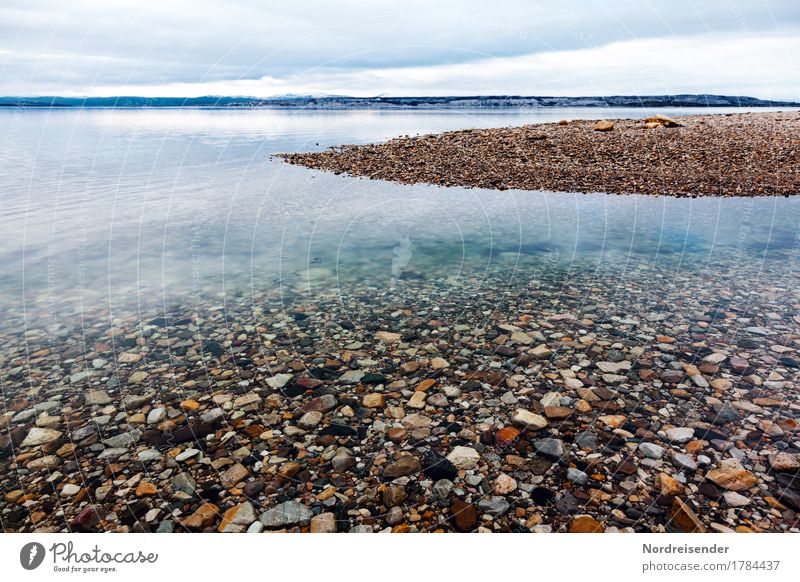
(188, 48)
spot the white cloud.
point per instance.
(190, 47)
(734, 64)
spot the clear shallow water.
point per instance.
(115, 209)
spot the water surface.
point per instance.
(117, 209)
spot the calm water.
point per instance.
(114, 208)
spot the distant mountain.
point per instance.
(340, 102)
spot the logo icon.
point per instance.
(31, 555)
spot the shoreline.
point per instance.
(725, 155)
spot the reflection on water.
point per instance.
(119, 208)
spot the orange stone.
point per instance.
(146, 488)
(190, 405)
(506, 436)
(585, 524)
(425, 385)
(557, 412)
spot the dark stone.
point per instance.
(709, 490)
(194, 431)
(723, 413)
(338, 429)
(11, 441)
(87, 519)
(542, 496)
(213, 348)
(437, 467)
(568, 504)
(463, 515)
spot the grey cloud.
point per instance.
(89, 42)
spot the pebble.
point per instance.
(464, 457)
(286, 514)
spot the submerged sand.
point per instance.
(746, 154)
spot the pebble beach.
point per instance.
(744, 154)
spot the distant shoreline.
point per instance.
(742, 154)
(491, 102)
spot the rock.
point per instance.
(614, 367)
(494, 506)
(417, 400)
(662, 121)
(463, 515)
(393, 495)
(439, 363)
(734, 499)
(156, 415)
(185, 483)
(286, 514)
(351, 377)
(551, 448)
(342, 461)
(323, 523)
(612, 420)
(203, 517)
(404, 465)
(149, 455)
(310, 420)
(437, 467)
(683, 461)
(732, 476)
(40, 436)
(541, 352)
(387, 336)
(145, 489)
(97, 398)
(682, 518)
(247, 400)
(785, 462)
(137, 377)
(503, 484)
(464, 457)
(527, 420)
(739, 365)
(679, 435)
(667, 485)
(233, 475)
(724, 413)
(557, 412)
(373, 401)
(603, 125)
(238, 518)
(88, 518)
(323, 403)
(442, 489)
(112, 453)
(651, 450)
(506, 437)
(123, 440)
(715, 358)
(278, 381)
(70, 490)
(585, 524)
(521, 337)
(577, 476)
(45, 463)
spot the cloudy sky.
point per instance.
(409, 47)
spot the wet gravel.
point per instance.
(572, 400)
